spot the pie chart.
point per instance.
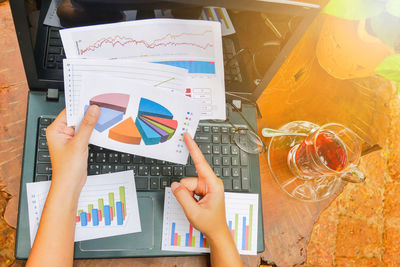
(153, 124)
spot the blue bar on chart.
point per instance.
(187, 240)
(107, 218)
(95, 217)
(83, 219)
(120, 215)
(207, 67)
(173, 234)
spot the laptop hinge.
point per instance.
(52, 94)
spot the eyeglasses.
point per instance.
(246, 138)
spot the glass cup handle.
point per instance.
(354, 176)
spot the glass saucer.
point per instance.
(308, 190)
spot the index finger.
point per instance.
(203, 169)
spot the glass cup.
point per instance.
(331, 150)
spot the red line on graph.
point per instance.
(121, 40)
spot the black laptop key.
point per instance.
(226, 172)
(149, 161)
(119, 168)
(155, 171)
(235, 172)
(225, 139)
(225, 150)
(205, 148)
(106, 169)
(235, 161)
(227, 184)
(55, 42)
(203, 138)
(174, 179)
(43, 168)
(154, 183)
(224, 129)
(215, 129)
(216, 149)
(216, 139)
(236, 184)
(244, 158)
(206, 129)
(190, 171)
(54, 50)
(43, 131)
(94, 169)
(226, 161)
(113, 157)
(178, 171)
(43, 144)
(126, 158)
(40, 178)
(142, 183)
(91, 157)
(143, 170)
(51, 58)
(245, 179)
(43, 156)
(45, 121)
(138, 159)
(167, 171)
(165, 182)
(51, 65)
(234, 150)
(101, 157)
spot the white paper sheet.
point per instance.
(159, 40)
(172, 79)
(241, 216)
(51, 18)
(96, 187)
(185, 112)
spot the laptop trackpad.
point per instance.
(136, 241)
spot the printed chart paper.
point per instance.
(139, 119)
(107, 206)
(190, 44)
(241, 216)
(170, 78)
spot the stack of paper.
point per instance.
(168, 73)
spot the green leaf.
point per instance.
(390, 68)
(354, 9)
(386, 27)
(393, 7)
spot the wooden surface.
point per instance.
(300, 91)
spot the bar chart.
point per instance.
(241, 215)
(114, 210)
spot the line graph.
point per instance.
(123, 40)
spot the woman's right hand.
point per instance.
(208, 214)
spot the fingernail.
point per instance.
(174, 186)
(94, 110)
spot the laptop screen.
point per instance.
(257, 36)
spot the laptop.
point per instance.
(250, 64)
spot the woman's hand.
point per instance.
(69, 152)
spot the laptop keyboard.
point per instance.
(54, 50)
(215, 141)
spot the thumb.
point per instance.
(184, 198)
(87, 124)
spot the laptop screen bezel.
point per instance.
(306, 10)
